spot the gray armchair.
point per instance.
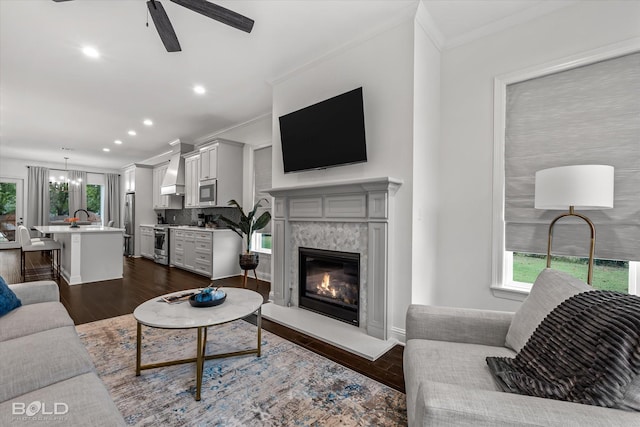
(447, 379)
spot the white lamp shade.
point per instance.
(585, 187)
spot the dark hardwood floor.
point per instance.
(143, 279)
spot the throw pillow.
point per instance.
(550, 289)
(8, 300)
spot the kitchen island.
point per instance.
(89, 253)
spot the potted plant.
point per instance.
(245, 228)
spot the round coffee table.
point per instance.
(157, 313)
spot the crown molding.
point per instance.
(540, 9)
(209, 137)
(425, 21)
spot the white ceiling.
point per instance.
(52, 96)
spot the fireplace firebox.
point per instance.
(330, 283)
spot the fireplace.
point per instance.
(330, 283)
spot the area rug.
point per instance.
(287, 386)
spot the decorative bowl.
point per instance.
(218, 298)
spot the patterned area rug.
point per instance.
(288, 385)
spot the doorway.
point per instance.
(11, 214)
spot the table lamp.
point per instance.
(582, 187)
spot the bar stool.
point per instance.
(27, 244)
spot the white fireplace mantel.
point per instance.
(365, 204)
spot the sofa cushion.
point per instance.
(87, 404)
(8, 300)
(441, 404)
(549, 290)
(33, 318)
(41, 359)
(448, 362)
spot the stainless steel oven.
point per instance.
(161, 244)
(207, 193)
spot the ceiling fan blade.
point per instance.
(59, 1)
(164, 27)
(218, 13)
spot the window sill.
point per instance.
(262, 251)
(514, 291)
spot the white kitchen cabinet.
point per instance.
(222, 160)
(129, 176)
(209, 163)
(191, 181)
(147, 247)
(161, 201)
(212, 253)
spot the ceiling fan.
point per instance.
(203, 7)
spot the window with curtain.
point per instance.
(262, 181)
(585, 115)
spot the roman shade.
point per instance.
(262, 180)
(586, 115)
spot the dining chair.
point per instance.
(38, 244)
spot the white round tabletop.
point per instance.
(159, 314)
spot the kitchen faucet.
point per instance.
(81, 210)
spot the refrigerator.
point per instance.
(129, 223)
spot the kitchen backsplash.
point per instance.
(190, 216)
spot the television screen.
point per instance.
(329, 133)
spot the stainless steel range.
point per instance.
(161, 244)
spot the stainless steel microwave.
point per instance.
(207, 193)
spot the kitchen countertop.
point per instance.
(65, 229)
(190, 227)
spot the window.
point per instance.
(91, 196)
(94, 202)
(261, 241)
(58, 201)
(578, 110)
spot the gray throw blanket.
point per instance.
(587, 350)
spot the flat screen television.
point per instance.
(329, 133)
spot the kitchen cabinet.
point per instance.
(161, 201)
(222, 160)
(191, 181)
(209, 252)
(129, 176)
(209, 163)
(138, 178)
(147, 246)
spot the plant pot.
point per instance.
(249, 261)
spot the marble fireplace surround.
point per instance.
(350, 216)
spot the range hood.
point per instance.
(173, 181)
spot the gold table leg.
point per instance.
(199, 364)
(138, 349)
(201, 355)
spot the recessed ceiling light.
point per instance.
(200, 90)
(117, 141)
(91, 52)
(147, 122)
(106, 149)
(132, 133)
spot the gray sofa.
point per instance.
(447, 379)
(47, 375)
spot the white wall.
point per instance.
(465, 217)
(383, 66)
(426, 140)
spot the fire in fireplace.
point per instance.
(330, 283)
